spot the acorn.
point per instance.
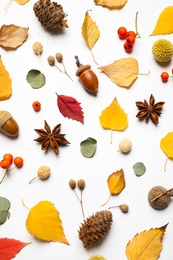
(8, 125)
(87, 77)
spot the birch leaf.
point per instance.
(166, 144)
(146, 245)
(111, 4)
(164, 24)
(12, 36)
(5, 82)
(21, 2)
(90, 32)
(122, 72)
(44, 222)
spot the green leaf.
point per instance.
(139, 168)
(4, 209)
(88, 147)
(36, 79)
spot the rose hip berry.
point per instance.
(122, 31)
(164, 76)
(36, 105)
(18, 161)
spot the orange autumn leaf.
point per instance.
(164, 24)
(122, 72)
(166, 144)
(111, 4)
(44, 222)
(116, 183)
(21, 2)
(90, 32)
(12, 36)
(146, 245)
(5, 82)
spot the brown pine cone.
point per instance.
(50, 14)
(95, 228)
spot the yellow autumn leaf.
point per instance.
(122, 72)
(146, 245)
(21, 2)
(12, 36)
(164, 24)
(44, 222)
(5, 82)
(116, 183)
(111, 4)
(90, 32)
(166, 144)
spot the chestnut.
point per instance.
(8, 124)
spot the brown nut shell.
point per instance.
(10, 127)
(89, 81)
(157, 200)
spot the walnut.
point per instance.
(159, 198)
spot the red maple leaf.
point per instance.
(9, 248)
(69, 107)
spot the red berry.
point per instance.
(36, 105)
(172, 70)
(8, 156)
(128, 48)
(130, 39)
(5, 163)
(164, 76)
(131, 33)
(18, 161)
(122, 31)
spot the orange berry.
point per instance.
(128, 47)
(122, 32)
(5, 163)
(18, 161)
(131, 33)
(36, 105)
(130, 39)
(8, 156)
(164, 76)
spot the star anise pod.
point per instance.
(50, 138)
(149, 110)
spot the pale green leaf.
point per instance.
(88, 147)
(139, 168)
(4, 209)
(36, 79)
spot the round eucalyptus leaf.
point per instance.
(4, 209)
(36, 79)
(139, 168)
(88, 147)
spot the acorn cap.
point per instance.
(162, 50)
(4, 117)
(81, 69)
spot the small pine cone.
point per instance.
(50, 14)
(95, 228)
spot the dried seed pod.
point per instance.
(158, 198)
(51, 60)
(125, 145)
(87, 77)
(42, 173)
(95, 228)
(72, 184)
(59, 57)
(37, 48)
(81, 184)
(8, 125)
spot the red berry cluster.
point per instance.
(165, 76)
(129, 36)
(8, 160)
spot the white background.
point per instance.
(70, 164)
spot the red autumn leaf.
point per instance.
(69, 107)
(9, 248)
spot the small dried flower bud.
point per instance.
(124, 208)
(81, 184)
(125, 145)
(43, 172)
(37, 48)
(72, 184)
(51, 60)
(59, 57)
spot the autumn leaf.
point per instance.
(12, 36)
(111, 4)
(116, 183)
(21, 2)
(9, 248)
(166, 144)
(5, 82)
(122, 72)
(164, 24)
(90, 32)
(146, 245)
(113, 117)
(44, 222)
(69, 107)
(35, 78)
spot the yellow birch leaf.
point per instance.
(111, 4)
(146, 245)
(122, 72)
(113, 117)
(44, 222)
(164, 23)
(5, 82)
(166, 144)
(12, 36)
(21, 2)
(116, 182)
(90, 31)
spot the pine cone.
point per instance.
(95, 228)
(50, 14)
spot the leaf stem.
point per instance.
(7, 5)
(32, 179)
(93, 57)
(136, 26)
(106, 201)
(165, 163)
(24, 204)
(164, 193)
